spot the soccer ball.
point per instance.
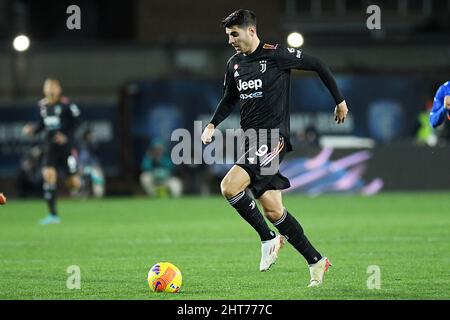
(164, 277)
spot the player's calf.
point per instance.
(291, 229)
(247, 208)
(49, 189)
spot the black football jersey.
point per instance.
(260, 81)
(62, 116)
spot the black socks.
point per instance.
(289, 227)
(248, 210)
(50, 196)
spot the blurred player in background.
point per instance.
(58, 119)
(157, 178)
(29, 179)
(258, 76)
(90, 168)
(441, 105)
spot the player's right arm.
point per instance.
(441, 106)
(225, 107)
(31, 129)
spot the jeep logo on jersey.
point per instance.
(251, 84)
(52, 122)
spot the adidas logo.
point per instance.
(236, 74)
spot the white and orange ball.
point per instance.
(2, 199)
(164, 277)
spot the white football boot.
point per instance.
(317, 270)
(269, 252)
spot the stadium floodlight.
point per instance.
(21, 43)
(295, 40)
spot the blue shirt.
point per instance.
(160, 168)
(438, 114)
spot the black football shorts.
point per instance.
(60, 157)
(261, 158)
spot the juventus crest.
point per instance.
(263, 64)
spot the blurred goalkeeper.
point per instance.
(58, 119)
(441, 105)
(258, 76)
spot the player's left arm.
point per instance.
(441, 106)
(296, 59)
(310, 63)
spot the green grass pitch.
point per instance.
(115, 242)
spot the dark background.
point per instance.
(133, 58)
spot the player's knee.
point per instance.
(49, 175)
(273, 214)
(228, 189)
(146, 178)
(75, 182)
(175, 187)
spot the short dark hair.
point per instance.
(52, 78)
(240, 18)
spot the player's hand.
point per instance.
(340, 112)
(447, 102)
(60, 138)
(208, 133)
(28, 130)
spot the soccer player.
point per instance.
(441, 105)
(59, 119)
(258, 76)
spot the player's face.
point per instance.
(52, 89)
(241, 38)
